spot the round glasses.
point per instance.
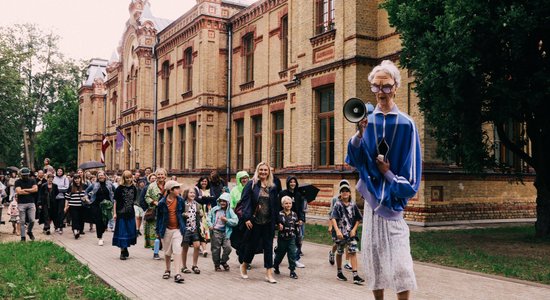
(386, 88)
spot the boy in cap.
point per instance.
(345, 219)
(287, 222)
(221, 220)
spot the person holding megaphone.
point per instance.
(386, 153)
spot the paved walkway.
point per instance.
(139, 277)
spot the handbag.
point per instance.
(150, 214)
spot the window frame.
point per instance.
(284, 42)
(239, 133)
(256, 139)
(328, 160)
(248, 57)
(278, 149)
(183, 141)
(165, 70)
(188, 67)
(324, 16)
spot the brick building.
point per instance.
(285, 69)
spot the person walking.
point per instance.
(386, 153)
(205, 198)
(46, 202)
(73, 205)
(259, 206)
(242, 179)
(26, 190)
(97, 192)
(63, 184)
(154, 193)
(297, 207)
(192, 216)
(221, 220)
(287, 225)
(123, 214)
(170, 227)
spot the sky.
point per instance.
(88, 28)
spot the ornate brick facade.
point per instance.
(293, 65)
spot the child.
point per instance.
(13, 212)
(192, 215)
(287, 222)
(221, 220)
(345, 220)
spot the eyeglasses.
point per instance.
(386, 88)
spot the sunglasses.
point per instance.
(386, 88)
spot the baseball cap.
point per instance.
(170, 184)
(343, 181)
(25, 171)
(344, 186)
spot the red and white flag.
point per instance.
(104, 145)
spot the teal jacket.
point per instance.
(232, 219)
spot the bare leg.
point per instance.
(334, 246)
(138, 223)
(196, 246)
(353, 261)
(403, 295)
(184, 250)
(339, 261)
(378, 294)
(167, 262)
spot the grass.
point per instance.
(43, 270)
(507, 251)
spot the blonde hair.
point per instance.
(286, 198)
(388, 67)
(161, 170)
(127, 178)
(256, 177)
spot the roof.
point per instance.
(147, 15)
(96, 69)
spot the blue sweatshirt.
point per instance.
(387, 194)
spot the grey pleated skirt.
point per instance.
(386, 253)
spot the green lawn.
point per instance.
(508, 251)
(43, 270)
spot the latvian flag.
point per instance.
(104, 145)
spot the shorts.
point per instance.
(171, 242)
(138, 211)
(190, 237)
(349, 243)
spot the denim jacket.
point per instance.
(162, 216)
(92, 189)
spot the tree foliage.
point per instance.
(478, 63)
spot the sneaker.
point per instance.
(23, 239)
(122, 256)
(139, 233)
(331, 257)
(156, 256)
(358, 280)
(341, 277)
(293, 275)
(347, 266)
(276, 270)
(100, 242)
(48, 232)
(83, 232)
(31, 236)
(299, 264)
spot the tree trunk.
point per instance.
(542, 226)
(26, 145)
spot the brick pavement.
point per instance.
(139, 277)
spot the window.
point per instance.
(326, 126)
(182, 146)
(194, 145)
(248, 48)
(188, 69)
(166, 80)
(505, 157)
(161, 152)
(170, 147)
(240, 143)
(135, 85)
(324, 16)
(278, 138)
(127, 146)
(113, 107)
(128, 93)
(284, 42)
(257, 140)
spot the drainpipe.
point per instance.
(155, 107)
(229, 82)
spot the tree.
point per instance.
(42, 72)
(10, 95)
(478, 63)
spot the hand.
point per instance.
(383, 165)
(224, 219)
(361, 127)
(339, 235)
(280, 227)
(114, 217)
(300, 222)
(66, 209)
(352, 233)
(39, 206)
(249, 225)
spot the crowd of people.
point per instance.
(247, 217)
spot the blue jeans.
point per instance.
(27, 211)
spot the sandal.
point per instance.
(225, 267)
(178, 279)
(195, 269)
(217, 269)
(184, 270)
(166, 275)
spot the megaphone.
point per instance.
(356, 110)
